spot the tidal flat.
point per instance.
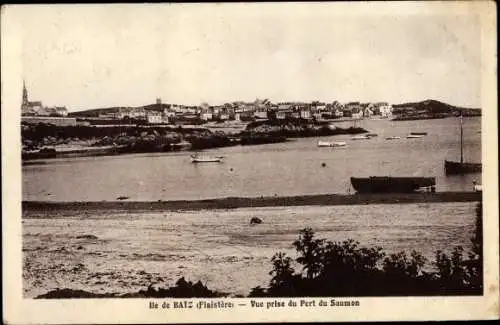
(126, 251)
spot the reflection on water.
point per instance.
(219, 247)
(276, 169)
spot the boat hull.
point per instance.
(457, 168)
(205, 159)
(331, 144)
(360, 137)
(384, 184)
(197, 161)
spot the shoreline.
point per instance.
(45, 141)
(255, 202)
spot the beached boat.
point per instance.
(386, 184)
(205, 159)
(418, 133)
(360, 137)
(393, 138)
(458, 168)
(332, 144)
(413, 136)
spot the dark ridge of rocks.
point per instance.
(72, 293)
(182, 289)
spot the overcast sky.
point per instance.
(97, 56)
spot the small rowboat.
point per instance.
(334, 144)
(205, 159)
(393, 138)
(412, 136)
(360, 137)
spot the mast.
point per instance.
(461, 140)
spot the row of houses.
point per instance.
(239, 111)
(246, 111)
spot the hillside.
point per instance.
(93, 112)
(435, 107)
(97, 111)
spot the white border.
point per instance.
(17, 310)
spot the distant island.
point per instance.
(430, 109)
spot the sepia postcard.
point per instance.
(249, 162)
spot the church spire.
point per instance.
(25, 93)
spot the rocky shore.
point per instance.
(44, 141)
(246, 202)
(297, 128)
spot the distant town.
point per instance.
(261, 109)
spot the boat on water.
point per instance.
(459, 168)
(360, 137)
(414, 136)
(332, 144)
(183, 145)
(418, 133)
(393, 138)
(386, 184)
(205, 159)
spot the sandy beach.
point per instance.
(124, 251)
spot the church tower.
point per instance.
(25, 96)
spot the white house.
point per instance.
(385, 110)
(136, 113)
(338, 112)
(305, 114)
(206, 116)
(321, 108)
(61, 111)
(154, 117)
